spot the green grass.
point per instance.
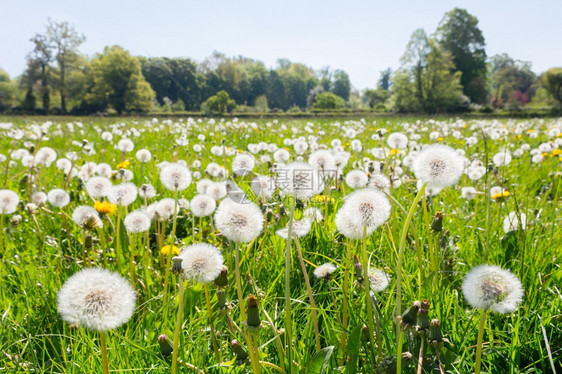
(35, 339)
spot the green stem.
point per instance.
(401, 248)
(178, 327)
(288, 328)
(399, 350)
(105, 362)
(367, 289)
(310, 297)
(169, 257)
(211, 323)
(239, 284)
(479, 343)
(118, 239)
(345, 300)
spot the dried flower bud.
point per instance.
(437, 223)
(436, 338)
(176, 265)
(221, 300)
(358, 269)
(253, 312)
(222, 279)
(423, 321)
(239, 350)
(88, 240)
(409, 316)
(166, 346)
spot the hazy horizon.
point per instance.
(362, 38)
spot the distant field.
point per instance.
(510, 217)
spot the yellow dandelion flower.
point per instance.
(166, 249)
(105, 207)
(518, 136)
(439, 139)
(394, 151)
(557, 152)
(123, 165)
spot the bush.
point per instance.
(328, 100)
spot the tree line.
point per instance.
(447, 71)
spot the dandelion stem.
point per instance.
(103, 344)
(420, 356)
(211, 323)
(118, 239)
(178, 326)
(401, 248)
(288, 328)
(479, 343)
(367, 289)
(238, 283)
(310, 297)
(169, 257)
(345, 299)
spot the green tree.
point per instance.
(65, 41)
(38, 67)
(328, 100)
(219, 103)
(510, 80)
(551, 80)
(385, 79)
(8, 91)
(374, 97)
(116, 81)
(427, 83)
(458, 33)
(341, 84)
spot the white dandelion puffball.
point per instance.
(97, 299)
(324, 271)
(378, 279)
(125, 145)
(202, 185)
(144, 155)
(438, 165)
(502, 158)
(201, 262)
(380, 181)
(349, 224)
(217, 190)
(98, 187)
(240, 223)
(397, 140)
(39, 197)
(281, 155)
(136, 222)
(300, 180)
(300, 228)
(86, 214)
(147, 191)
(489, 287)
(514, 222)
(58, 198)
(322, 160)
(243, 163)
(175, 177)
(9, 201)
(314, 214)
(203, 205)
(356, 179)
(263, 186)
(468, 193)
(123, 194)
(45, 156)
(371, 206)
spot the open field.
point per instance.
(421, 247)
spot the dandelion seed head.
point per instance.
(203, 205)
(300, 228)
(378, 279)
(356, 179)
(9, 201)
(175, 176)
(136, 222)
(489, 287)
(240, 223)
(514, 221)
(324, 271)
(58, 198)
(438, 165)
(98, 187)
(96, 299)
(125, 145)
(201, 262)
(123, 194)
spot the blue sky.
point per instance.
(360, 37)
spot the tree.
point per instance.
(328, 100)
(64, 41)
(551, 80)
(374, 97)
(38, 67)
(8, 91)
(459, 34)
(385, 79)
(510, 81)
(341, 85)
(116, 81)
(427, 83)
(219, 103)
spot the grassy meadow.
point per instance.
(340, 323)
